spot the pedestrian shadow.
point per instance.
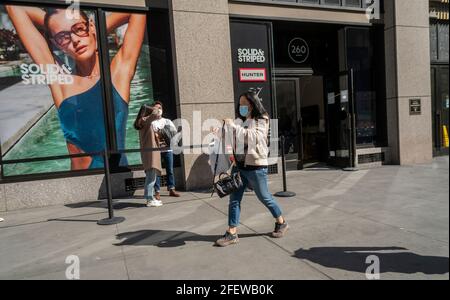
(200, 175)
(104, 204)
(354, 259)
(168, 238)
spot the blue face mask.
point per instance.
(243, 110)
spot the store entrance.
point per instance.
(289, 119)
(314, 134)
(301, 117)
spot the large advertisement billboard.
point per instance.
(51, 90)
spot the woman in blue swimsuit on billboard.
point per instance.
(80, 104)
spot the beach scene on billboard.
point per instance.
(51, 90)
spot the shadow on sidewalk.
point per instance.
(354, 259)
(104, 204)
(168, 238)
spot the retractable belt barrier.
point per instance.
(285, 193)
(106, 156)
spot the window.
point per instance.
(138, 89)
(360, 59)
(50, 89)
(54, 116)
(339, 3)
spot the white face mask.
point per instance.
(157, 112)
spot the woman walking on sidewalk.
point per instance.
(251, 133)
(150, 159)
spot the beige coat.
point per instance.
(255, 138)
(148, 140)
(251, 140)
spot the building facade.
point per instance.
(352, 83)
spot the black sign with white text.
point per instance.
(298, 50)
(415, 107)
(251, 54)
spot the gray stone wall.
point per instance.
(30, 194)
(2, 198)
(408, 76)
(204, 70)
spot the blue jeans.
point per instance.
(150, 179)
(258, 181)
(168, 159)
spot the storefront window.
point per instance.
(360, 59)
(443, 41)
(344, 3)
(433, 42)
(131, 77)
(50, 89)
(52, 101)
(439, 41)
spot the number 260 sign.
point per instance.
(298, 50)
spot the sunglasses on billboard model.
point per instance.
(64, 38)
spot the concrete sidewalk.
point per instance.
(338, 219)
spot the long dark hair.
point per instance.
(145, 111)
(258, 110)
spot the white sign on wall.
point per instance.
(251, 55)
(252, 74)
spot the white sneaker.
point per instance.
(1, 219)
(154, 203)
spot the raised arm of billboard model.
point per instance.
(123, 65)
(26, 21)
(115, 20)
(134, 37)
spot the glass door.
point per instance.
(341, 120)
(289, 120)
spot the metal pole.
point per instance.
(285, 193)
(351, 123)
(111, 220)
(283, 162)
(352, 91)
(108, 185)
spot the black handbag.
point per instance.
(167, 133)
(227, 183)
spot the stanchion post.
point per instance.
(111, 220)
(283, 162)
(285, 193)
